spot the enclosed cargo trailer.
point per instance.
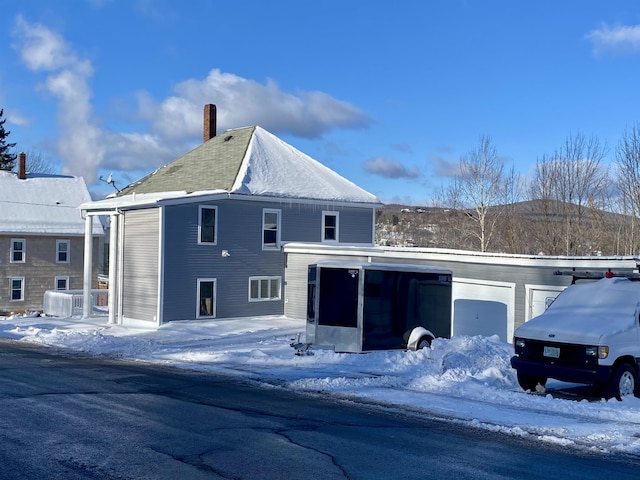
(360, 306)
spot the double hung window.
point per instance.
(270, 229)
(62, 251)
(18, 250)
(16, 287)
(207, 225)
(330, 226)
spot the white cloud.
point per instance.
(390, 168)
(243, 102)
(42, 49)
(444, 167)
(139, 151)
(620, 39)
(15, 118)
(174, 123)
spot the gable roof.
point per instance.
(250, 161)
(43, 204)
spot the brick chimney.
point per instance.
(22, 165)
(209, 122)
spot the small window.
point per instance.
(270, 229)
(62, 283)
(329, 226)
(17, 289)
(18, 250)
(206, 298)
(62, 251)
(207, 225)
(263, 289)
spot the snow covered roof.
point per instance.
(251, 161)
(43, 205)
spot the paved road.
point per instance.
(71, 417)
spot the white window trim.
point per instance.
(268, 298)
(11, 280)
(68, 243)
(57, 279)
(278, 212)
(215, 224)
(24, 250)
(215, 297)
(325, 214)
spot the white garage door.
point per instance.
(483, 308)
(538, 299)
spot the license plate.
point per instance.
(551, 352)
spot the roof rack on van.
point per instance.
(588, 275)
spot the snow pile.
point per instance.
(466, 379)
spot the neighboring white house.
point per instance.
(41, 236)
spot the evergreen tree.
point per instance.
(7, 159)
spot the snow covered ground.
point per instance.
(466, 379)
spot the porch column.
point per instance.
(113, 261)
(87, 305)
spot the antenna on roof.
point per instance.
(109, 181)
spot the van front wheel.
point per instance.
(530, 382)
(622, 383)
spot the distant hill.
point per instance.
(527, 227)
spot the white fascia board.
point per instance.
(144, 200)
(464, 256)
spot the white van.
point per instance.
(590, 334)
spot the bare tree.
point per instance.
(511, 226)
(582, 188)
(478, 189)
(627, 175)
(570, 188)
(544, 206)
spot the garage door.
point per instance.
(538, 298)
(482, 307)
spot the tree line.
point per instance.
(573, 204)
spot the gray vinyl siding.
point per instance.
(303, 223)
(141, 243)
(356, 226)
(239, 232)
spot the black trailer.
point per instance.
(357, 307)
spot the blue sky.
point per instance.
(388, 94)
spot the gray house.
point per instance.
(202, 237)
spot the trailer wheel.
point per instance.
(622, 383)
(424, 342)
(530, 382)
